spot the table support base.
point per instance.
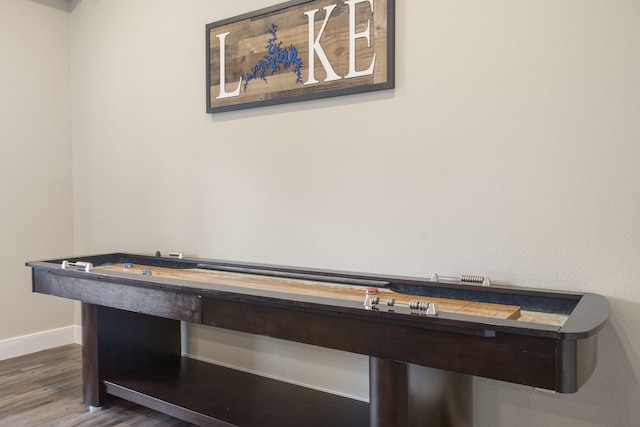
(410, 395)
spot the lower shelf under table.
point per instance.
(211, 395)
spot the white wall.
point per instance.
(510, 148)
(35, 162)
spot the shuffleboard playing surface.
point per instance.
(316, 288)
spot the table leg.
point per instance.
(410, 395)
(388, 393)
(91, 392)
(117, 341)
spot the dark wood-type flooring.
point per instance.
(45, 389)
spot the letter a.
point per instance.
(223, 72)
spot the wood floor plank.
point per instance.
(45, 389)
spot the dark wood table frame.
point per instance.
(131, 344)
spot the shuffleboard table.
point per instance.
(425, 338)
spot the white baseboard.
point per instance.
(19, 346)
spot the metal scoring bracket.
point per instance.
(172, 254)
(465, 278)
(372, 299)
(80, 265)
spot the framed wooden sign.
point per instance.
(300, 50)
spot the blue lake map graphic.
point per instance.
(277, 59)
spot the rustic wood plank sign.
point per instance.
(300, 50)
